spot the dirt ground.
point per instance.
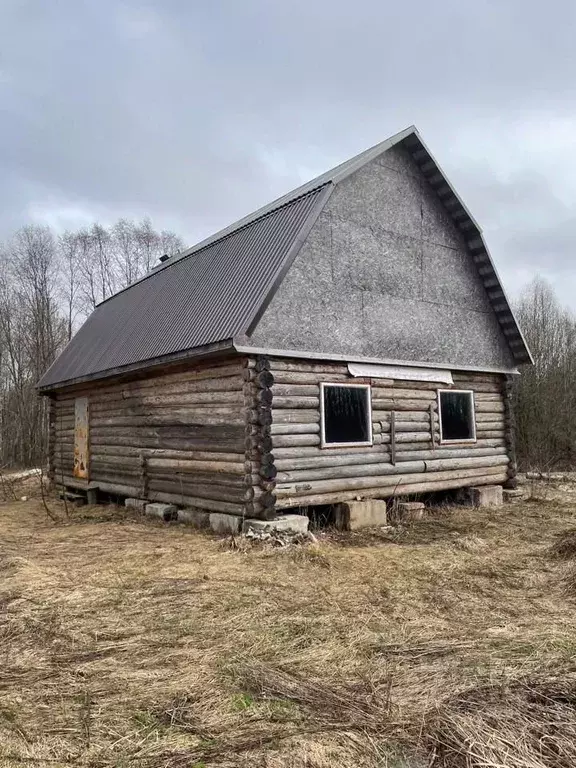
(129, 642)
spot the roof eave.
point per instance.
(220, 348)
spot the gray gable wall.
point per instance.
(384, 273)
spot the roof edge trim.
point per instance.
(247, 349)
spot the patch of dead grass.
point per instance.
(128, 642)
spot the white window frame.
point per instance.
(468, 440)
(323, 443)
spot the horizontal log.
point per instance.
(170, 444)
(157, 386)
(493, 387)
(210, 505)
(441, 464)
(382, 469)
(159, 453)
(144, 405)
(307, 379)
(243, 494)
(490, 433)
(173, 418)
(296, 402)
(330, 459)
(471, 376)
(214, 492)
(295, 429)
(495, 407)
(492, 477)
(305, 451)
(380, 408)
(283, 441)
(64, 422)
(481, 418)
(417, 417)
(104, 467)
(183, 431)
(412, 426)
(295, 416)
(277, 364)
(205, 478)
(447, 453)
(128, 461)
(392, 393)
(63, 410)
(490, 426)
(285, 480)
(233, 468)
(67, 438)
(296, 390)
(285, 490)
(430, 386)
(120, 489)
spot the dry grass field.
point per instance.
(126, 642)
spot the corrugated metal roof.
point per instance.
(209, 296)
(214, 290)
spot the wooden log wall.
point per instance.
(510, 433)
(199, 437)
(406, 456)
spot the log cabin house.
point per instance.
(350, 340)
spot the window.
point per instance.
(456, 409)
(346, 414)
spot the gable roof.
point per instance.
(211, 293)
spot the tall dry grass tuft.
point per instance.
(565, 545)
(527, 724)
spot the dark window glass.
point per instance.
(347, 415)
(457, 415)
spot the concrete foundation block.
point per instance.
(222, 523)
(194, 517)
(283, 523)
(163, 511)
(137, 504)
(92, 496)
(351, 515)
(486, 496)
(410, 511)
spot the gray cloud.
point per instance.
(196, 113)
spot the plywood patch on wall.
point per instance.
(81, 438)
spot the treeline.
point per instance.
(546, 391)
(49, 284)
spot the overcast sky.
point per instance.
(197, 112)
